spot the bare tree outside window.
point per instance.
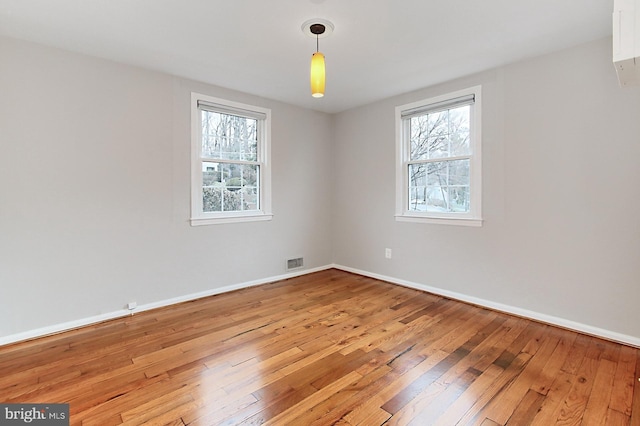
(439, 179)
(230, 161)
(230, 172)
(439, 161)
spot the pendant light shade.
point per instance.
(317, 28)
(317, 75)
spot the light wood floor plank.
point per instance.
(622, 392)
(328, 348)
(635, 407)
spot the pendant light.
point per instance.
(317, 28)
(318, 74)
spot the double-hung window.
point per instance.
(438, 163)
(230, 176)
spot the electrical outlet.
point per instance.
(387, 253)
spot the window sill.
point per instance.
(460, 221)
(200, 221)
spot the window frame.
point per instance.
(403, 152)
(263, 115)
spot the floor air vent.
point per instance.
(294, 263)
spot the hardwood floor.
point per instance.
(322, 349)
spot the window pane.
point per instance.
(229, 137)
(437, 173)
(459, 198)
(459, 144)
(438, 147)
(230, 187)
(440, 134)
(459, 130)
(438, 123)
(458, 172)
(419, 137)
(440, 186)
(417, 187)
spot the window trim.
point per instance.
(263, 115)
(404, 113)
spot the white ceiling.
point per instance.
(379, 48)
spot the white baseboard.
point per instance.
(547, 319)
(59, 328)
(537, 316)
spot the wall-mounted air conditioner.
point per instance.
(626, 41)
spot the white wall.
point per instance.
(561, 236)
(94, 191)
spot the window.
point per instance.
(230, 176)
(439, 160)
